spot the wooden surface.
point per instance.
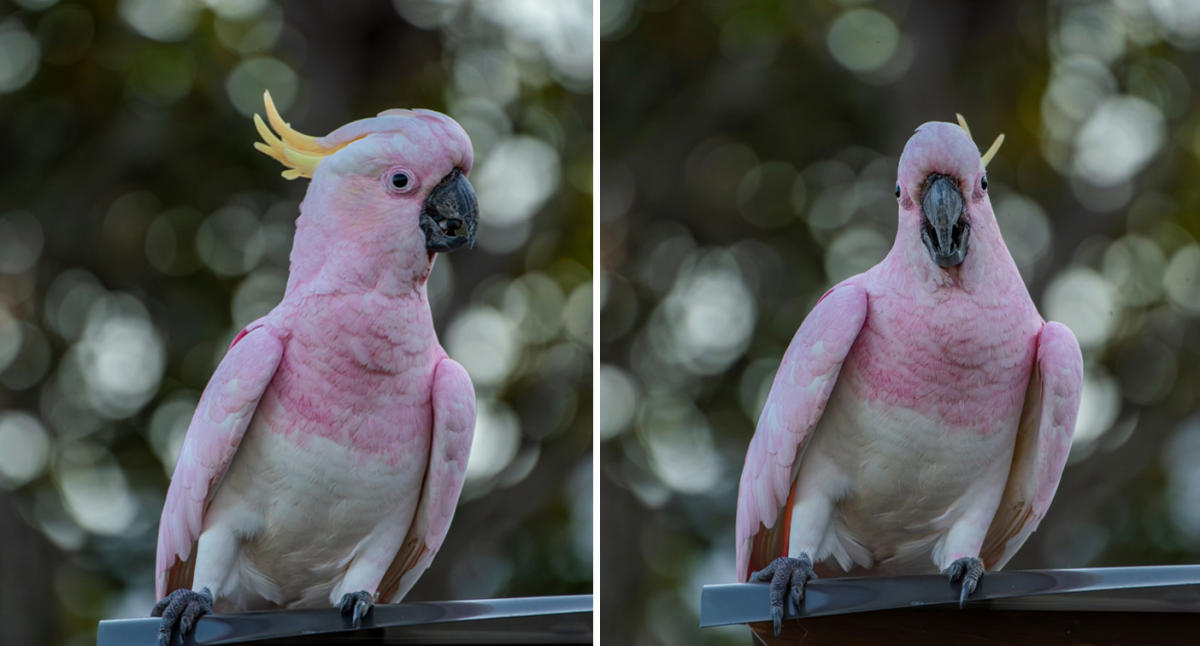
(938, 626)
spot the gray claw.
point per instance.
(358, 605)
(968, 570)
(183, 608)
(784, 573)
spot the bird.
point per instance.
(921, 416)
(327, 453)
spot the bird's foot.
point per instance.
(968, 570)
(785, 573)
(357, 605)
(182, 607)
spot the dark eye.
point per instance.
(897, 191)
(400, 180)
(983, 182)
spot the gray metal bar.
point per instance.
(1106, 589)
(545, 620)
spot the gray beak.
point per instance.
(944, 229)
(451, 214)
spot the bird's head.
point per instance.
(393, 185)
(942, 190)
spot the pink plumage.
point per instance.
(327, 453)
(922, 415)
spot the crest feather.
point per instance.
(991, 152)
(298, 152)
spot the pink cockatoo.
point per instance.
(326, 456)
(922, 414)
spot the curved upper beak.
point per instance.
(944, 227)
(450, 214)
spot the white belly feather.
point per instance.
(302, 513)
(897, 482)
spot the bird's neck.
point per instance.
(325, 260)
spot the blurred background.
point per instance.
(139, 231)
(749, 152)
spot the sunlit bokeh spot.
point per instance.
(1091, 29)
(94, 490)
(230, 241)
(24, 448)
(168, 427)
(577, 314)
(247, 81)
(428, 14)
(258, 294)
(121, 356)
(535, 302)
(1099, 405)
(1182, 279)
(705, 321)
(68, 300)
(854, 251)
(161, 76)
(515, 180)
(484, 341)
(615, 16)
(1118, 140)
(755, 384)
(562, 30)
(488, 73)
(236, 9)
(10, 338)
(1135, 266)
(250, 35)
(62, 405)
(163, 20)
(863, 40)
(1077, 85)
(1026, 231)
(765, 196)
(1180, 19)
(618, 401)
(832, 208)
(497, 438)
(19, 56)
(1085, 302)
(55, 523)
(680, 444)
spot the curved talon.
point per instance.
(968, 570)
(182, 607)
(784, 573)
(358, 605)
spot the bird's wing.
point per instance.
(806, 376)
(221, 418)
(453, 427)
(1043, 442)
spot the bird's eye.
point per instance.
(983, 182)
(398, 181)
(897, 191)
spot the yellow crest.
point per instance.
(299, 152)
(991, 152)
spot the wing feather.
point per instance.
(222, 416)
(798, 395)
(1043, 442)
(453, 403)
